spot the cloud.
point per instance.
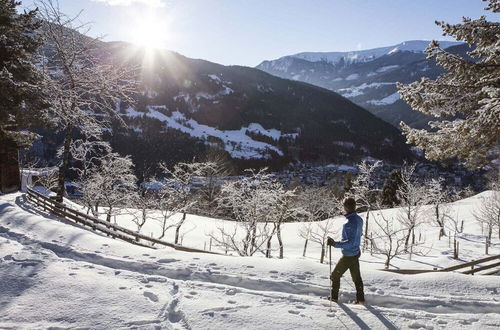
(150, 3)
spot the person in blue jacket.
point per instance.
(351, 239)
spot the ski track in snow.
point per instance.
(298, 297)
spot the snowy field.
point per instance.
(55, 274)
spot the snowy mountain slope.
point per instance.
(55, 274)
(415, 46)
(251, 114)
(368, 77)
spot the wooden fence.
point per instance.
(96, 224)
(470, 271)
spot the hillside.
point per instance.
(55, 274)
(255, 117)
(368, 78)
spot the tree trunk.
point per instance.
(178, 228)
(366, 229)
(305, 248)
(280, 242)
(407, 239)
(268, 248)
(322, 258)
(64, 164)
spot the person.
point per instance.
(351, 239)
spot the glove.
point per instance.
(330, 241)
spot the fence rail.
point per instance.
(470, 264)
(96, 224)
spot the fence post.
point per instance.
(486, 244)
(472, 268)
(210, 247)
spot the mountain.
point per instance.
(188, 105)
(367, 77)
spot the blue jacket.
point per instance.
(351, 235)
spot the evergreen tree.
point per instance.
(20, 90)
(390, 189)
(466, 98)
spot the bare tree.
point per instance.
(413, 197)
(217, 167)
(488, 213)
(284, 208)
(318, 203)
(438, 196)
(390, 238)
(318, 232)
(178, 188)
(144, 202)
(88, 155)
(113, 182)
(83, 82)
(249, 200)
(363, 190)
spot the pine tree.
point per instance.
(466, 98)
(390, 189)
(20, 91)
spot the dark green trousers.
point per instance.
(345, 263)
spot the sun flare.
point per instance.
(150, 32)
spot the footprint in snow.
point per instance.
(122, 288)
(145, 254)
(403, 287)
(148, 286)
(273, 272)
(300, 307)
(196, 258)
(193, 293)
(151, 296)
(72, 274)
(250, 266)
(117, 272)
(166, 260)
(293, 312)
(267, 300)
(231, 292)
(101, 273)
(231, 302)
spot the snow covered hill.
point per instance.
(55, 274)
(367, 77)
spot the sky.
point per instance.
(247, 32)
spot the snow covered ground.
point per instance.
(54, 274)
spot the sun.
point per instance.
(150, 32)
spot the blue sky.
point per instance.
(246, 32)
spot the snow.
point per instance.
(387, 68)
(359, 90)
(416, 46)
(56, 274)
(393, 98)
(236, 142)
(353, 76)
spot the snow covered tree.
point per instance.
(83, 82)
(466, 97)
(488, 213)
(113, 182)
(178, 188)
(413, 197)
(145, 201)
(318, 203)
(217, 167)
(22, 101)
(87, 155)
(283, 208)
(438, 196)
(249, 200)
(363, 190)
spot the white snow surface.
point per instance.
(393, 98)
(236, 142)
(359, 90)
(416, 46)
(55, 274)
